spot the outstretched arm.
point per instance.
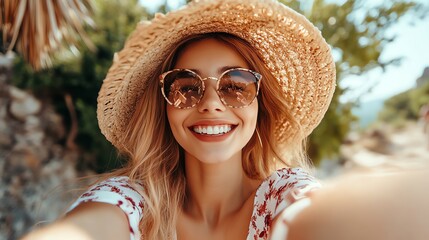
(366, 206)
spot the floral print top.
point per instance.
(276, 193)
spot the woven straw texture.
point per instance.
(290, 46)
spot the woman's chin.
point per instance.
(216, 157)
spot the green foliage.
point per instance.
(81, 77)
(405, 106)
(327, 138)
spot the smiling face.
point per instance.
(212, 132)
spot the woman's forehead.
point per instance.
(209, 53)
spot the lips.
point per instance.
(212, 129)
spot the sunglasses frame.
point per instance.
(257, 75)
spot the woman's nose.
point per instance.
(211, 101)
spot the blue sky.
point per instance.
(411, 43)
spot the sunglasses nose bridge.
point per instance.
(210, 97)
(209, 78)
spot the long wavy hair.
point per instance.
(157, 161)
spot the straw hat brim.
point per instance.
(291, 47)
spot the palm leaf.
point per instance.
(37, 29)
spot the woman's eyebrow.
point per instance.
(194, 70)
(219, 71)
(223, 69)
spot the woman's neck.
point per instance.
(215, 191)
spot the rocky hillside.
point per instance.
(36, 171)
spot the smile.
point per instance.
(212, 130)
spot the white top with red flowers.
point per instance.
(276, 193)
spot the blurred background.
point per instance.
(54, 56)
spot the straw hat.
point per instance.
(290, 46)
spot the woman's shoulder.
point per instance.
(277, 192)
(287, 180)
(285, 186)
(120, 188)
(119, 191)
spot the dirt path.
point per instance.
(411, 143)
(382, 149)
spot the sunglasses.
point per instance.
(236, 87)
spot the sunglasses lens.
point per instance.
(182, 88)
(238, 88)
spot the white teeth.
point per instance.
(209, 130)
(212, 130)
(216, 130)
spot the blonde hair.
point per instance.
(156, 159)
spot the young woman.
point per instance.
(211, 104)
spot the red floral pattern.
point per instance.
(121, 192)
(276, 193)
